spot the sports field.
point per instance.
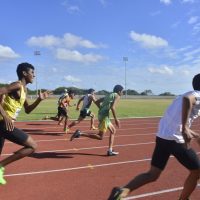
(126, 108)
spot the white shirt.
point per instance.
(170, 126)
(87, 101)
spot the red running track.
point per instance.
(80, 170)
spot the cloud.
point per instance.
(71, 79)
(68, 41)
(188, 1)
(148, 41)
(7, 53)
(193, 20)
(166, 2)
(72, 41)
(71, 9)
(44, 41)
(64, 54)
(54, 69)
(162, 70)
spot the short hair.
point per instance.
(71, 92)
(117, 88)
(90, 91)
(23, 67)
(196, 82)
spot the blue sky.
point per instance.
(82, 43)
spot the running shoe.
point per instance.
(116, 194)
(66, 130)
(93, 128)
(112, 153)
(76, 134)
(2, 180)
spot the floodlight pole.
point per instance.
(36, 53)
(125, 59)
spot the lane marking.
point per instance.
(84, 138)
(75, 168)
(78, 168)
(155, 193)
(89, 148)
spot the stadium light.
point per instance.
(125, 59)
(36, 53)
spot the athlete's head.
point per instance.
(71, 93)
(118, 89)
(196, 82)
(25, 69)
(91, 91)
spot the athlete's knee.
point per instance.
(31, 144)
(100, 135)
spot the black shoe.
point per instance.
(116, 194)
(76, 134)
(112, 153)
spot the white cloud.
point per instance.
(193, 20)
(71, 79)
(72, 41)
(76, 56)
(71, 9)
(54, 69)
(44, 41)
(166, 2)
(196, 28)
(188, 1)
(7, 53)
(148, 41)
(162, 70)
(68, 41)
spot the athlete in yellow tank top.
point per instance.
(13, 98)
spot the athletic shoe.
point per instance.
(116, 194)
(76, 134)
(66, 130)
(2, 180)
(93, 128)
(112, 153)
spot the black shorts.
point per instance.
(165, 148)
(16, 136)
(62, 112)
(85, 112)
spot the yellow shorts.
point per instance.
(104, 124)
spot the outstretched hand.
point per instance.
(189, 134)
(44, 95)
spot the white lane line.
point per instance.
(90, 148)
(76, 168)
(155, 193)
(84, 138)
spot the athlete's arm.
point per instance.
(99, 101)
(188, 102)
(113, 108)
(78, 104)
(13, 87)
(41, 96)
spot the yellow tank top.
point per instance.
(13, 106)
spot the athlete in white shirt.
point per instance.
(85, 110)
(173, 138)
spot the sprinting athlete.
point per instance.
(85, 110)
(105, 105)
(173, 138)
(13, 98)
